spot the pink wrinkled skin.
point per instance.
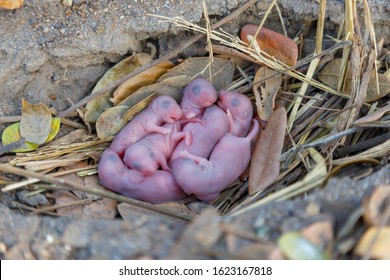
(205, 134)
(153, 151)
(197, 95)
(239, 111)
(207, 178)
(156, 188)
(163, 109)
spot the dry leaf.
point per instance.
(374, 205)
(35, 122)
(145, 78)
(296, 247)
(75, 136)
(111, 121)
(275, 44)
(98, 105)
(54, 129)
(155, 89)
(222, 70)
(374, 116)
(104, 208)
(11, 134)
(133, 111)
(377, 241)
(180, 81)
(11, 4)
(330, 73)
(265, 163)
(319, 233)
(265, 99)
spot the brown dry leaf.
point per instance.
(177, 81)
(222, 70)
(330, 73)
(145, 78)
(11, 4)
(273, 43)
(374, 116)
(35, 122)
(78, 135)
(374, 205)
(111, 121)
(319, 233)
(203, 232)
(98, 105)
(265, 99)
(133, 111)
(66, 197)
(265, 163)
(155, 89)
(375, 241)
(104, 208)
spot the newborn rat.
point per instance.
(205, 134)
(207, 178)
(156, 188)
(197, 95)
(163, 109)
(239, 110)
(153, 151)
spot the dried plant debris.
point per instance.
(322, 116)
(330, 73)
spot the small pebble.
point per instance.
(33, 200)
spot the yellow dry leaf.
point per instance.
(11, 4)
(98, 105)
(11, 134)
(375, 242)
(145, 78)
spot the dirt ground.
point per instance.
(55, 54)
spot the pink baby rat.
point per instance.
(205, 134)
(153, 151)
(157, 188)
(163, 109)
(197, 95)
(207, 178)
(239, 110)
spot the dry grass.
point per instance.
(313, 109)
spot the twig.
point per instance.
(166, 57)
(364, 145)
(55, 207)
(338, 45)
(13, 146)
(70, 185)
(323, 141)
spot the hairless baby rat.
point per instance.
(239, 110)
(153, 151)
(207, 178)
(205, 134)
(156, 188)
(163, 109)
(197, 96)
